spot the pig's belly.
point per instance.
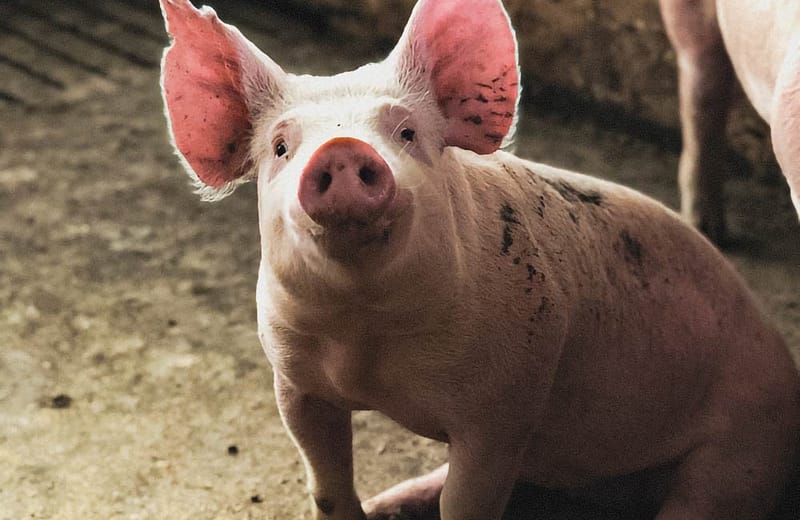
(576, 459)
(758, 34)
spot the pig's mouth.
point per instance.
(347, 241)
(354, 241)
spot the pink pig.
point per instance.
(551, 327)
(760, 41)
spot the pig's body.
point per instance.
(549, 326)
(576, 310)
(760, 41)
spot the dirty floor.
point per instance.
(132, 384)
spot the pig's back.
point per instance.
(633, 255)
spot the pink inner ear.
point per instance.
(472, 52)
(202, 80)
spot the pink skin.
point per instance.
(712, 38)
(551, 327)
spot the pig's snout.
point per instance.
(346, 182)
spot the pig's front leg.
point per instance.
(323, 434)
(481, 477)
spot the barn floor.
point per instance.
(132, 384)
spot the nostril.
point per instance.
(367, 175)
(325, 181)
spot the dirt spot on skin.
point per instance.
(544, 307)
(540, 207)
(507, 215)
(633, 252)
(632, 249)
(508, 240)
(531, 272)
(572, 194)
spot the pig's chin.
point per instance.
(361, 244)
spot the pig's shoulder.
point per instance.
(595, 207)
(555, 198)
(572, 188)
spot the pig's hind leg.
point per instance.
(416, 498)
(740, 472)
(706, 78)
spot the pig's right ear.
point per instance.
(464, 52)
(214, 83)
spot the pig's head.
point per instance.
(353, 168)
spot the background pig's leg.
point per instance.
(414, 497)
(323, 434)
(785, 121)
(705, 83)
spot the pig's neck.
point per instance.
(345, 338)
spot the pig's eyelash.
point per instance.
(403, 149)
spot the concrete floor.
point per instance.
(132, 384)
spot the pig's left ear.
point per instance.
(215, 82)
(465, 52)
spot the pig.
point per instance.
(551, 327)
(716, 40)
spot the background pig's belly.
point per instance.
(757, 36)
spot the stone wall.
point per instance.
(606, 58)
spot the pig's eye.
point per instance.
(408, 134)
(281, 149)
